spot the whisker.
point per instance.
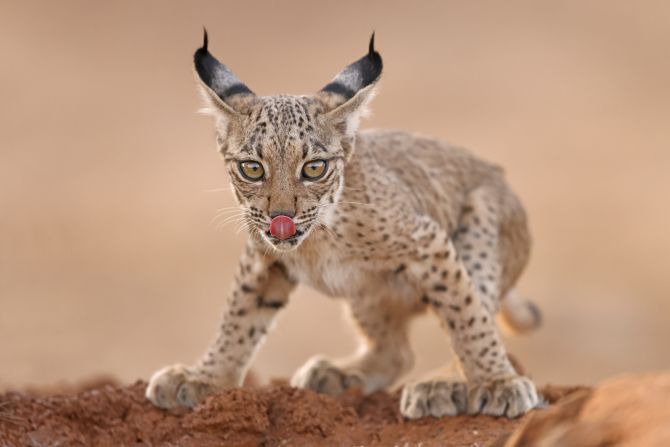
(236, 222)
(229, 213)
(233, 217)
(305, 220)
(225, 212)
(268, 246)
(242, 222)
(326, 228)
(244, 226)
(229, 209)
(219, 221)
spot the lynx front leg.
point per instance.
(260, 289)
(493, 386)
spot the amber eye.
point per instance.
(314, 170)
(251, 170)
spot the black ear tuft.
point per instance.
(217, 76)
(205, 39)
(357, 75)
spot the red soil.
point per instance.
(112, 415)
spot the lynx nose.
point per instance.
(282, 227)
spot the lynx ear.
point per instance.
(346, 97)
(222, 90)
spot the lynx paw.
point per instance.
(510, 397)
(177, 385)
(321, 376)
(435, 398)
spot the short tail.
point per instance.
(518, 316)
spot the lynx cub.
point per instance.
(393, 223)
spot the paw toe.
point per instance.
(321, 376)
(436, 399)
(191, 393)
(175, 386)
(511, 397)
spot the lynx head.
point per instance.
(286, 154)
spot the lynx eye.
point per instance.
(315, 169)
(251, 170)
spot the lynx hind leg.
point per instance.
(384, 354)
(493, 241)
(465, 304)
(477, 242)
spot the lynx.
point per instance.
(393, 223)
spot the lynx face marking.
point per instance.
(286, 154)
(286, 137)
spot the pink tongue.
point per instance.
(282, 227)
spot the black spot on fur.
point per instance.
(262, 302)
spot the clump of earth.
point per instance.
(627, 411)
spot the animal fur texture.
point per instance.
(395, 224)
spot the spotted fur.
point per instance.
(399, 224)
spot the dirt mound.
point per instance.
(112, 415)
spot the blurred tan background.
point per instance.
(109, 262)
